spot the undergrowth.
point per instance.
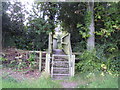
(94, 80)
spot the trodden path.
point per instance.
(66, 84)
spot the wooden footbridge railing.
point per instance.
(59, 58)
(58, 61)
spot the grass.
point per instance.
(107, 82)
(0, 83)
(95, 80)
(84, 80)
(40, 83)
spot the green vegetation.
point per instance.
(98, 61)
(97, 68)
(34, 35)
(40, 83)
(95, 80)
(88, 63)
(83, 80)
(107, 82)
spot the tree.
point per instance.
(38, 26)
(6, 25)
(91, 38)
(12, 22)
(72, 15)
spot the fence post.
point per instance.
(47, 63)
(73, 65)
(40, 60)
(69, 60)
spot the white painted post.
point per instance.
(47, 63)
(40, 60)
(73, 65)
(69, 60)
(52, 66)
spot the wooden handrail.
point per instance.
(77, 53)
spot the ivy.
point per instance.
(107, 16)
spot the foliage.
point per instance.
(79, 47)
(2, 59)
(37, 34)
(109, 55)
(49, 9)
(32, 61)
(83, 29)
(6, 24)
(70, 15)
(107, 22)
(21, 62)
(88, 63)
(106, 56)
(75, 19)
(12, 23)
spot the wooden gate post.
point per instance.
(40, 60)
(47, 63)
(73, 65)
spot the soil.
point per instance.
(19, 75)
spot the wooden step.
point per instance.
(61, 68)
(60, 74)
(60, 65)
(57, 63)
(44, 58)
(58, 51)
(60, 62)
(61, 59)
(57, 55)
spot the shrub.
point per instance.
(102, 59)
(88, 62)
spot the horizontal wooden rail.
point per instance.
(76, 53)
(37, 51)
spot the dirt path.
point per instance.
(66, 84)
(23, 75)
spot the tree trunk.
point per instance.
(91, 39)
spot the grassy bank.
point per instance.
(84, 80)
(95, 80)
